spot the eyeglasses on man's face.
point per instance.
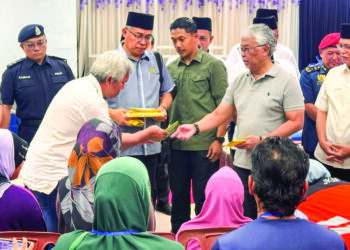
(39, 43)
(246, 50)
(343, 46)
(140, 38)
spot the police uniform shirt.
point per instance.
(32, 86)
(311, 81)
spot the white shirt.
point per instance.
(47, 158)
(334, 98)
(283, 57)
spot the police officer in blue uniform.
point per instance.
(32, 82)
(311, 80)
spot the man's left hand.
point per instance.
(214, 152)
(251, 142)
(163, 117)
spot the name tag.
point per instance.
(58, 73)
(24, 77)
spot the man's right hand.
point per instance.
(119, 115)
(184, 132)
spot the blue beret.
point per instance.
(30, 31)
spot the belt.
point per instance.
(30, 123)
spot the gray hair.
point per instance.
(111, 63)
(262, 34)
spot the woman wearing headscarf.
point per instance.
(97, 143)
(223, 205)
(19, 210)
(121, 212)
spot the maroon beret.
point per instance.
(330, 40)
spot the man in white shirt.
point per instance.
(333, 114)
(283, 55)
(77, 102)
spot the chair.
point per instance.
(40, 239)
(167, 235)
(204, 236)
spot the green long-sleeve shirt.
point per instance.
(200, 86)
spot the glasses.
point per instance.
(140, 38)
(246, 50)
(343, 46)
(40, 43)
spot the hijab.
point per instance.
(12, 153)
(121, 214)
(223, 205)
(98, 142)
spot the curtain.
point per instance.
(99, 29)
(317, 19)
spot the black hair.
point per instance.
(184, 23)
(279, 169)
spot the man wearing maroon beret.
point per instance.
(311, 80)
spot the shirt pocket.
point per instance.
(59, 79)
(199, 84)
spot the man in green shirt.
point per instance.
(201, 81)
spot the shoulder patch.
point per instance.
(312, 69)
(59, 58)
(15, 62)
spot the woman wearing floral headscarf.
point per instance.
(122, 203)
(98, 142)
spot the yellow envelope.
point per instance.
(147, 112)
(234, 143)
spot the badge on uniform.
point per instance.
(320, 79)
(153, 69)
(37, 31)
(24, 77)
(58, 73)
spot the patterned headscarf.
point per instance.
(98, 142)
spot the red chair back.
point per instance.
(167, 235)
(40, 239)
(204, 236)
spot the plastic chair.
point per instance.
(40, 239)
(204, 236)
(167, 235)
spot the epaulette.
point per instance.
(15, 62)
(59, 58)
(312, 69)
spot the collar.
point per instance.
(346, 68)
(273, 71)
(28, 63)
(323, 68)
(96, 84)
(198, 57)
(144, 56)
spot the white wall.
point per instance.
(58, 18)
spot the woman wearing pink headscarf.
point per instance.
(223, 206)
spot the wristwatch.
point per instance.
(220, 139)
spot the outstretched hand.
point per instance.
(184, 132)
